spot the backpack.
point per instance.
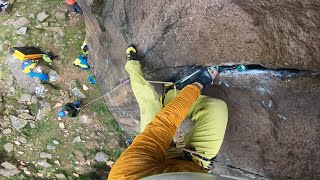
(27, 66)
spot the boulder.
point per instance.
(25, 98)
(4, 47)
(40, 175)
(8, 22)
(51, 146)
(8, 147)
(20, 22)
(43, 163)
(76, 140)
(45, 24)
(8, 165)
(44, 155)
(60, 176)
(41, 91)
(76, 91)
(9, 173)
(38, 26)
(26, 116)
(8, 130)
(34, 100)
(32, 125)
(22, 139)
(18, 123)
(4, 123)
(21, 111)
(22, 31)
(44, 111)
(42, 16)
(101, 157)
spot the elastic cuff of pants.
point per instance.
(201, 162)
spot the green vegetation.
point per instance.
(102, 135)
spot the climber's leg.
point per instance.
(210, 117)
(144, 92)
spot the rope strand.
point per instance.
(124, 82)
(106, 93)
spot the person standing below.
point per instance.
(70, 109)
(75, 7)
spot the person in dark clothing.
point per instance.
(3, 5)
(70, 109)
(75, 7)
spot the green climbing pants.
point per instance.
(209, 115)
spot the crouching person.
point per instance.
(82, 62)
(70, 110)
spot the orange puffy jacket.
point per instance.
(71, 2)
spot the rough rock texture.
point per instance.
(8, 165)
(43, 163)
(9, 173)
(20, 22)
(44, 111)
(272, 132)
(288, 30)
(60, 176)
(273, 127)
(22, 31)
(23, 80)
(18, 123)
(44, 155)
(8, 147)
(101, 157)
(42, 16)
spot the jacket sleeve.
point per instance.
(146, 155)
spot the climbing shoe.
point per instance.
(193, 74)
(131, 53)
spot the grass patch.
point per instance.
(100, 172)
(67, 47)
(117, 153)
